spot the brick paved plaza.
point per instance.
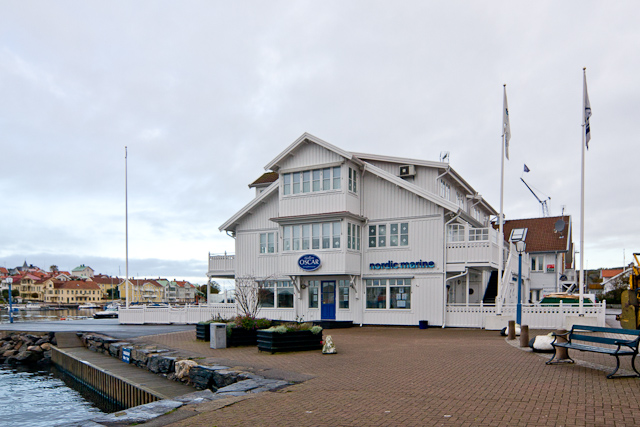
(387, 376)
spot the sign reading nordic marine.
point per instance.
(309, 262)
(393, 265)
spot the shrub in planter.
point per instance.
(242, 331)
(290, 337)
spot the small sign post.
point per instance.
(126, 355)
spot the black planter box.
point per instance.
(203, 332)
(241, 336)
(289, 341)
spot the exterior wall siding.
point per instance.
(384, 200)
(310, 155)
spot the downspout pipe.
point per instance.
(444, 268)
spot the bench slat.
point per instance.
(591, 348)
(633, 332)
(598, 339)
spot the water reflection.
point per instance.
(47, 315)
(42, 397)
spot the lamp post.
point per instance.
(520, 247)
(9, 281)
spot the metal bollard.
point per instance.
(562, 353)
(524, 335)
(511, 335)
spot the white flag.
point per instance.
(506, 128)
(587, 112)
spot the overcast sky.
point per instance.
(206, 93)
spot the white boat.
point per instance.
(109, 313)
(32, 306)
(88, 306)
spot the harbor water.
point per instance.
(46, 397)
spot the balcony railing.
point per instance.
(478, 252)
(222, 265)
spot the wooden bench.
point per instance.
(581, 337)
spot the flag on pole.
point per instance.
(587, 112)
(506, 128)
(526, 169)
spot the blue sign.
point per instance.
(126, 355)
(309, 262)
(393, 265)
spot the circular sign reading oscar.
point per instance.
(309, 262)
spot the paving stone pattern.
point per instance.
(411, 377)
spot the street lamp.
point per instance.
(520, 247)
(9, 281)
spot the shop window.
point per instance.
(376, 293)
(314, 286)
(285, 294)
(388, 293)
(266, 294)
(400, 291)
(343, 294)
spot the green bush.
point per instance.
(292, 327)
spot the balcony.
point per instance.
(222, 266)
(473, 253)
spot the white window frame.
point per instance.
(445, 189)
(478, 234)
(268, 240)
(324, 235)
(455, 233)
(388, 284)
(311, 181)
(537, 263)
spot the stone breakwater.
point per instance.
(223, 381)
(21, 348)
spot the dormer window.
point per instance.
(311, 181)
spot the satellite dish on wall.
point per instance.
(559, 226)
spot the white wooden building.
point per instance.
(372, 239)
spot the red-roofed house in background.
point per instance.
(550, 250)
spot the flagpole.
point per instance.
(126, 221)
(501, 232)
(581, 309)
(505, 118)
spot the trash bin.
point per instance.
(218, 335)
(423, 324)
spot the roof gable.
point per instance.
(276, 163)
(541, 234)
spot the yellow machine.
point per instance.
(630, 316)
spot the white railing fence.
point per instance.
(534, 315)
(189, 314)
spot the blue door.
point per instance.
(328, 309)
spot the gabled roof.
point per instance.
(541, 234)
(607, 273)
(247, 209)
(265, 179)
(274, 165)
(76, 284)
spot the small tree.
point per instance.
(249, 294)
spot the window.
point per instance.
(314, 286)
(455, 233)
(336, 178)
(311, 181)
(286, 187)
(285, 294)
(445, 189)
(311, 236)
(275, 294)
(353, 236)
(343, 294)
(376, 293)
(353, 180)
(266, 294)
(537, 263)
(460, 199)
(400, 290)
(399, 234)
(478, 234)
(397, 290)
(267, 243)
